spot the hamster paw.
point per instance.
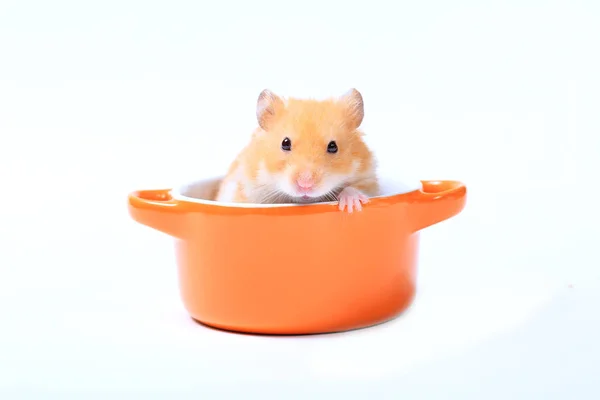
(352, 198)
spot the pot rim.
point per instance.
(180, 193)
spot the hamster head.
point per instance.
(308, 149)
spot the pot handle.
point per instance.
(158, 210)
(437, 201)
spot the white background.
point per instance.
(101, 98)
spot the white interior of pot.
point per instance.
(202, 191)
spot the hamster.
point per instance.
(304, 151)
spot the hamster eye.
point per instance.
(286, 144)
(332, 147)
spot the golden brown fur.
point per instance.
(264, 173)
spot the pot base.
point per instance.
(302, 330)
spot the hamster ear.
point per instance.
(267, 106)
(355, 109)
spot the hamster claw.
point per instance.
(352, 199)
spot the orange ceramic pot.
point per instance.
(295, 269)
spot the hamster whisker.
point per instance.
(268, 196)
(271, 195)
(330, 196)
(334, 193)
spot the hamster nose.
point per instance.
(305, 183)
